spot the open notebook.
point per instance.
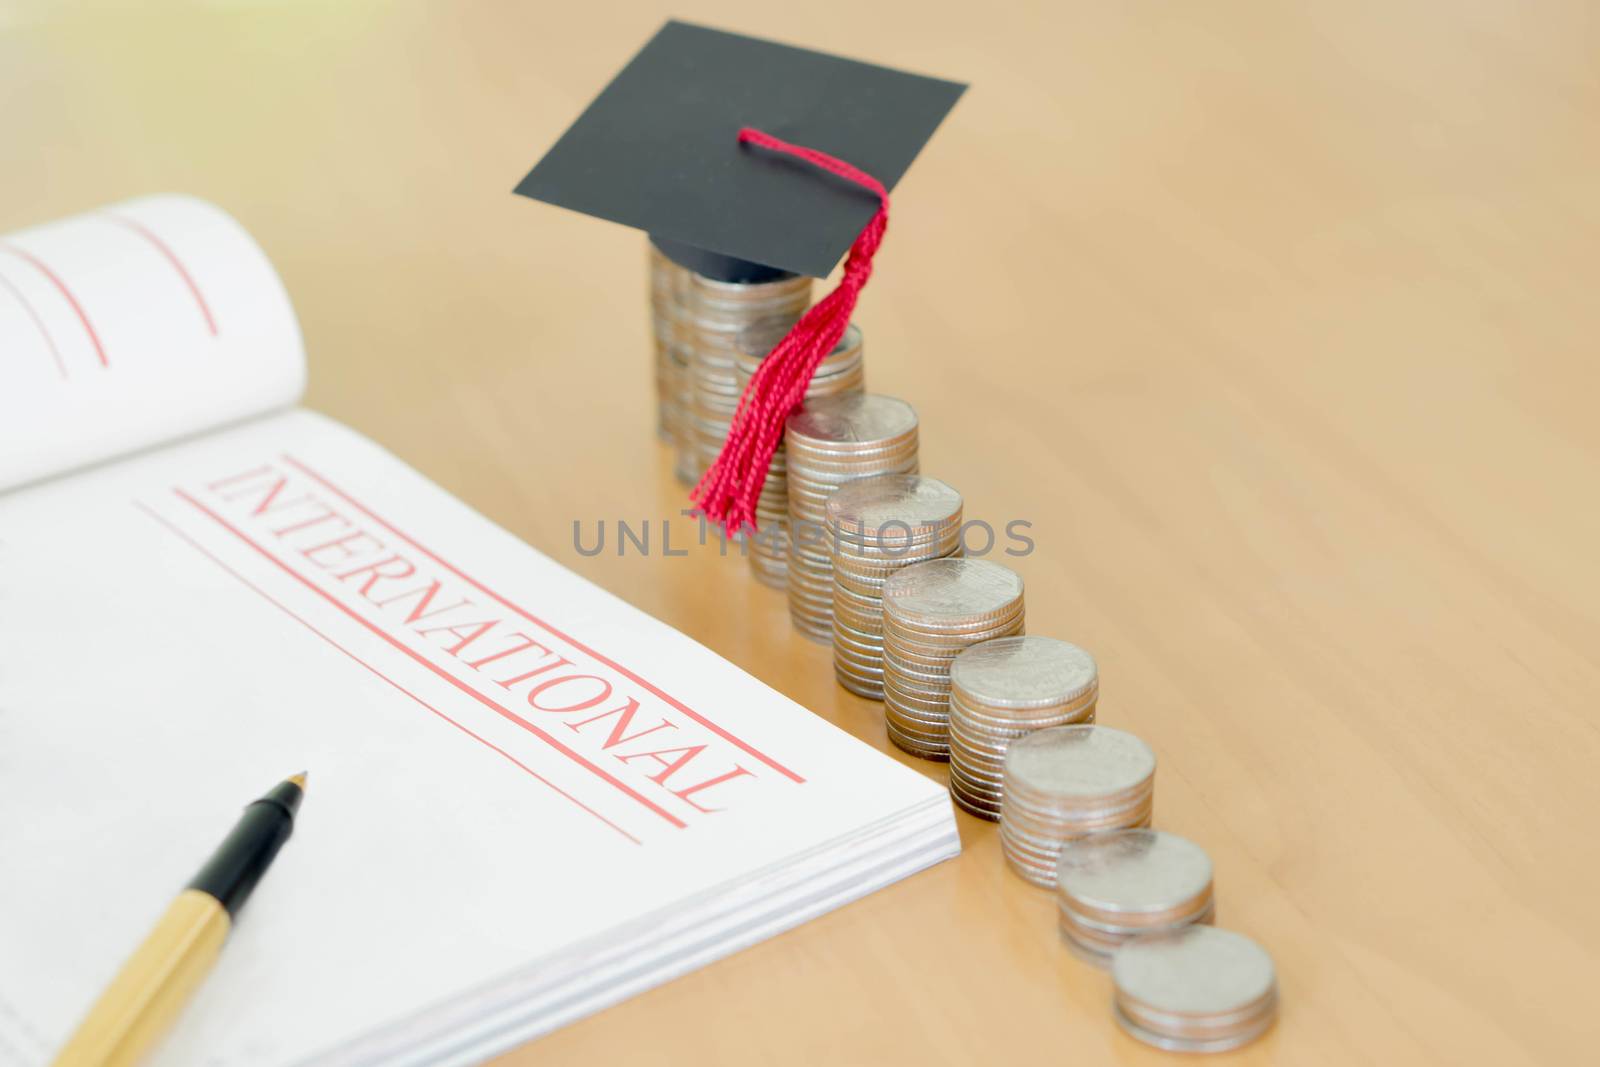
(528, 800)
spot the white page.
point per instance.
(173, 641)
(134, 324)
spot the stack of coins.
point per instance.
(1067, 782)
(830, 442)
(1115, 886)
(876, 526)
(669, 291)
(1001, 690)
(931, 613)
(1196, 989)
(722, 316)
(841, 372)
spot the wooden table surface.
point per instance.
(1277, 321)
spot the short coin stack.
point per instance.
(1196, 989)
(828, 443)
(721, 316)
(1066, 782)
(669, 289)
(1001, 690)
(877, 526)
(931, 613)
(841, 372)
(1114, 886)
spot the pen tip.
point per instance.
(299, 779)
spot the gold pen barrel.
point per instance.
(147, 994)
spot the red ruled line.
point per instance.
(569, 639)
(38, 264)
(171, 257)
(37, 321)
(269, 598)
(499, 709)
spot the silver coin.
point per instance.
(755, 343)
(845, 597)
(858, 682)
(864, 645)
(880, 509)
(976, 792)
(870, 581)
(1047, 835)
(952, 638)
(994, 737)
(913, 719)
(1080, 761)
(917, 730)
(1237, 1038)
(972, 807)
(952, 590)
(925, 705)
(1104, 936)
(819, 460)
(975, 784)
(819, 475)
(915, 746)
(975, 771)
(1030, 870)
(865, 420)
(1050, 833)
(989, 763)
(1198, 988)
(1012, 723)
(1044, 853)
(854, 640)
(1128, 873)
(707, 295)
(917, 675)
(1025, 672)
(864, 667)
(884, 546)
(1096, 943)
(811, 484)
(952, 642)
(1075, 810)
(860, 631)
(858, 621)
(912, 712)
(927, 732)
(861, 667)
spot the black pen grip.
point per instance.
(243, 857)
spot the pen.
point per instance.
(150, 990)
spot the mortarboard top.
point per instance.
(658, 150)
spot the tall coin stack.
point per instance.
(1197, 989)
(841, 371)
(669, 290)
(828, 443)
(722, 316)
(877, 526)
(1001, 690)
(932, 612)
(1066, 782)
(1115, 886)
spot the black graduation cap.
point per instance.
(658, 150)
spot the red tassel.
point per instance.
(729, 491)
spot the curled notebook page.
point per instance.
(134, 324)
